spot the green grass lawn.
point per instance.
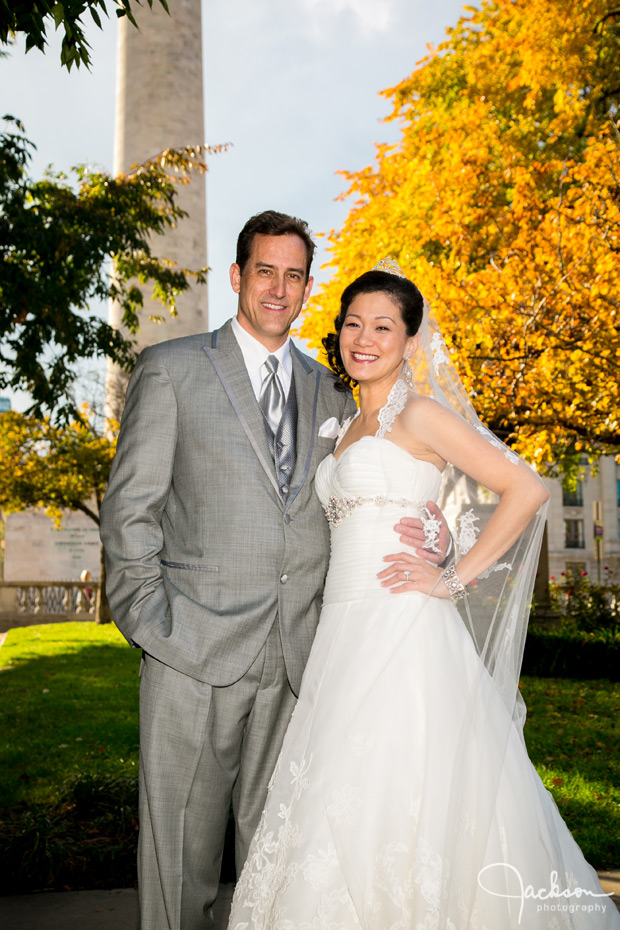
(69, 705)
(573, 737)
(69, 742)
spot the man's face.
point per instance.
(272, 288)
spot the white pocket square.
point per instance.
(329, 429)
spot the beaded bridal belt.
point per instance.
(337, 508)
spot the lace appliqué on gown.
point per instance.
(270, 865)
(346, 424)
(397, 398)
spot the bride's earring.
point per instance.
(407, 374)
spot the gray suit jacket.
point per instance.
(202, 553)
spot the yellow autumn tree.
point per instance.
(57, 467)
(502, 201)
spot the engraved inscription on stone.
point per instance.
(36, 551)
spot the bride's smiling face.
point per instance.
(373, 338)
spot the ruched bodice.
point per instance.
(371, 486)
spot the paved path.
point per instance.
(87, 910)
(118, 910)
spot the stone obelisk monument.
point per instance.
(160, 104)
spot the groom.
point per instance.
(216, 553)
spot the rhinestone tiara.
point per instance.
(388, 264)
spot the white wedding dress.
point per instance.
(376, 817)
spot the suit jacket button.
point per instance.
(284, 579)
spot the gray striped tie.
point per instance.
(284, 447)
(271, 399)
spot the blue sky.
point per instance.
(293, 84)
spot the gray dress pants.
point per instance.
(200, 746)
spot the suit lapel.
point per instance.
(227, 360)
(307, 392)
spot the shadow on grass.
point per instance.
(595, 828)
(87, 839)
(69, 757)
(65, 714)
(573, 726)
(573, 739)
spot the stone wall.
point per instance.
(35, 551)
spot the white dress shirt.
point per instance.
(255, 355)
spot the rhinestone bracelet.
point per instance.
(453, 583)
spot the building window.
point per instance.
(573, 534)
(573, 497)
(575, 571)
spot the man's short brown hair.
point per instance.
(272, 223)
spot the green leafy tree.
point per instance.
(61, 248)
(57, 467)
(33, 18)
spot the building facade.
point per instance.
(584, 524)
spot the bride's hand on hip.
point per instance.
(414, 532)
(409, 573)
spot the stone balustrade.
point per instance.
(25, 602)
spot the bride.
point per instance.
(403, 798)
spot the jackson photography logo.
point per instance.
(549, 900)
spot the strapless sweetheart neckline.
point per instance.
(410, 456)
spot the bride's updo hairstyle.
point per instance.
(402, 292)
